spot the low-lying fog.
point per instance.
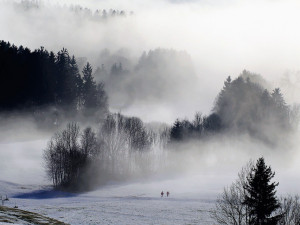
(201, 170)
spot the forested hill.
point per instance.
(35, 81)
(32, 80)
(158, 76)
(242, 107)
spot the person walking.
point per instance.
(162, 194)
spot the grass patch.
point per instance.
(12, 215)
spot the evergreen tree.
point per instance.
(117, 70)
(266, 98)
(89, 88)
(212, 123)
(260, 195)
(278, 98)
(176, 133)
(280, 109)
(66, 81)
(34, 81)
(77, 81)
(61, 63)
(244, 106)
(102, 98)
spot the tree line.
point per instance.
(242, 106)
(96, 15)
(36, 80)
(44, 83)
(122, 147)
(147, 78)
(33, 80)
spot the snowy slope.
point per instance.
(193, 190)
(22, 177)
(133, 203)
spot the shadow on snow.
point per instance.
(45, 194)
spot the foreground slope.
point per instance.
(134, 203)
(18, 216)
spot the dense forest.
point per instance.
(242, 106)
(51, 88)
(40, 81)
(148, 78)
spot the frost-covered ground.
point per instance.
(9, 215)
(22, 177)
(115, 204)
(193, 190)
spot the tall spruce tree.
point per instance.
(77, 81)
(176, 133)
(89, 90)
(261, 195)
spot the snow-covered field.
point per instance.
(23, 180)
(22, 175)
(115, 204)
(193, 191)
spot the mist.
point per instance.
(222, 39)
(195, 170)
(175, 57)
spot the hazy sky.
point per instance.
(222, 37)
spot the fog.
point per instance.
(22, 163)
(221, 38)
(198, 170)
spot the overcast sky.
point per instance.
(222, 37)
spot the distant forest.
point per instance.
(242, 106)
(83, 12)
(50, 87)
(35, 80)
(147, 79)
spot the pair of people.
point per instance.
(162, 194)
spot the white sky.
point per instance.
(223, 37)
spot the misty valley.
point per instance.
(105, 119)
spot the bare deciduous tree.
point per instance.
(290, 209)
(122, 148)
(65, 157)
(89, 143)
(229, 208)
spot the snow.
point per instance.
(193, 189)
(132, 203)
(23, 180)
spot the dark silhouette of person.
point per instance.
(168, 194)
(162, 194)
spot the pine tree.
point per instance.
(176, 133)
(77, 80)
(66, 81)
(102, 98)
(278, 98)
(260, 195)
(89, 88)
(280, 109)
